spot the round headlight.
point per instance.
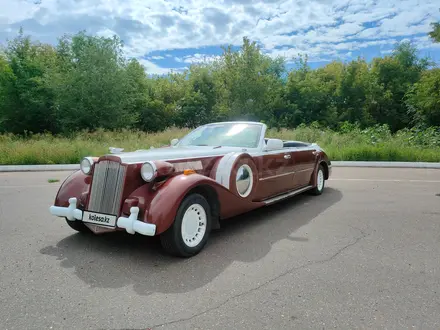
(244, 180)
(148, 171)
(86, 165)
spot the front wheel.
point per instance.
(191, 228)
(320, 182)
(78, 226)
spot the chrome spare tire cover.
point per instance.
(244, 180)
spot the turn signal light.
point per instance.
(188, 172)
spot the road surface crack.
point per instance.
(287, 272)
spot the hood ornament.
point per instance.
(114, 150)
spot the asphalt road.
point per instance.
(365, 254)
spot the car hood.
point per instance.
(171, 153)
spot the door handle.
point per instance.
(287, 156)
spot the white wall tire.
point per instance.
(191, 228)
(320, 181)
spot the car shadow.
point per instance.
(118, 259)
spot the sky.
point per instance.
(167, 35)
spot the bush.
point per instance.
(350, 143)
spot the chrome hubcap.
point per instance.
(193, 225)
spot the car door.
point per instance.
(304, 162)
(276, 173)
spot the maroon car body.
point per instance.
(181, 191)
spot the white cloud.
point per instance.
(386, 51)
(425, 43)
(152, 68)
(156, 57)
(106, 33)
(197, 58)
(324, 51)
(16, 11)
(321, 28)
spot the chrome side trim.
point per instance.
(307, 169)
(286, 195)
(276, 176)
(284, 174)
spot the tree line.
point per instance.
(85, 82)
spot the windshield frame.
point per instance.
(259, 141)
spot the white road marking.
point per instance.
(386, 180)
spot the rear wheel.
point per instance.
(191, 228)
(320, 181)
(78, 226)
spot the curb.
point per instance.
(73, 167)
(38, 168)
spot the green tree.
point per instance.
(136, 90)
(393, 76)
(94, 85)
(312, 94)
(353, 93)
(27, 101)
(424, 98)
(435, 33)
(7, 97)
(197, 105)
(244, 79)
(85, 82)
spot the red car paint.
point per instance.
(273, 173)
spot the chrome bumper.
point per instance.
(70, 212)
(131, 224)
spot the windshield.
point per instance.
(224, 134)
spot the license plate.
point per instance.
(99, 219)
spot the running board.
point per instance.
(286, 195)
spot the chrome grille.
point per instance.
(107, 186)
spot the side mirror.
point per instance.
(274, 144)
(174, 142)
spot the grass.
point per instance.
(361, 145)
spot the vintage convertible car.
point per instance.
(181, 191)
